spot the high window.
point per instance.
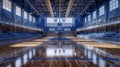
(7, 5)
(94, 15)
(89, 17)
(113, 4)
(33, 19)
(25, 14)
(101, 11)
(66, 22)
(30, 18)
(85, 20)
(18, 11)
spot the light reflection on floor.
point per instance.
(30, 54)
(25, 58)
(53, 51)
(94, 57)
(89, 54)
(101, 63)
(9, 65)
(18, 62)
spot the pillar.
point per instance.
(106, 10)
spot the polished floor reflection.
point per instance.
(64, 53)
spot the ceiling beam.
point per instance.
(85, 8)
(33, 7)
(69, 8)
(49, 7)
(60, 10)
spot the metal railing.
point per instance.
(8, 21)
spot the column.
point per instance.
(1, 5)
(106, 10)
(97, 12)
(22, 15)
(1, 1)
(14, 14)
(119, 6)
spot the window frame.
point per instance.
(89, 18)
(18, 11)
(25, 15)
(94, 15)
(113, 4)
(30, 18)
(102, 10)
(85, 19)
(7, 5)
(34, 19)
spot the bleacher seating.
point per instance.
(16, 34)
(13, 35)
(113, 36)
(5, 36)
(103, 34)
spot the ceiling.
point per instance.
(60, 8)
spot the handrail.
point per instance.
(9, 22)
(112, 21)
(97, 26)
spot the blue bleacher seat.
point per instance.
(13, 35)
(104, 35)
